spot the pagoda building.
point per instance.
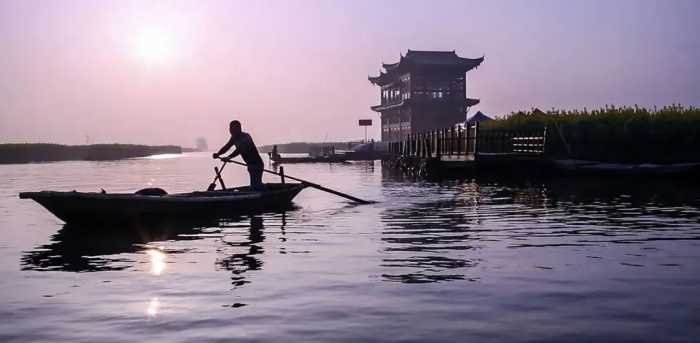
(424, 90)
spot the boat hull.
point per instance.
(78, 207)
(308, 159)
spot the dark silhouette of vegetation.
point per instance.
(42, 152)
(614, 134)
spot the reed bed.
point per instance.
(670, 134)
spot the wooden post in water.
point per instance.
(459, 140)
(282, 174)
(408, 145)
(435, 146)
(476, 140)
(466, 140)
(426, 153)
(420, 145)
(429, 139)
(445, 149)
(544, 140)
(416, 137)
(413, 145)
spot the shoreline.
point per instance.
(45, 152)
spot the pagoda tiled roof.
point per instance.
(425, 59)
(478, 117)
(441, 58)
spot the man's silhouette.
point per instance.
(246, 148)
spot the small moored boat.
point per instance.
(79, 207)
(337, 158)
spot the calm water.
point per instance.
(567, 260)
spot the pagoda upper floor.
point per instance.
(425, 76)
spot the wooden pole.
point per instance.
(212, 185)
(476, 140)
(218, 176)
(544, 140)
(459, 140)
(466, 145)
(311, 184)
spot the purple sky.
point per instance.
(294, 71)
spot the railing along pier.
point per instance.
(468, 143)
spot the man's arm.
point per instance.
(225, 148)
(235, 153)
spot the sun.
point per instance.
(154, 46)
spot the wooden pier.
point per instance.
(458, 149)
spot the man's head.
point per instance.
(234, 127)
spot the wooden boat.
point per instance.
(324, 154)
(79, 207)
(337, 158)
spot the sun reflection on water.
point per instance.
(162, 156)
(153, 306)
(158, 257)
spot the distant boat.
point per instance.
(325, 155)
(335, 158)
(79, 207)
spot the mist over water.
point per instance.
(486, 260)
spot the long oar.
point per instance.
(311, 184)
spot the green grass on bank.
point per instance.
(614, 134)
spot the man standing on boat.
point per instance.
(248, 151)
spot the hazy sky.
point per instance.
(167, 72)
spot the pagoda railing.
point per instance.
(470, 142)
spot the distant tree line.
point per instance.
(41, 152)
